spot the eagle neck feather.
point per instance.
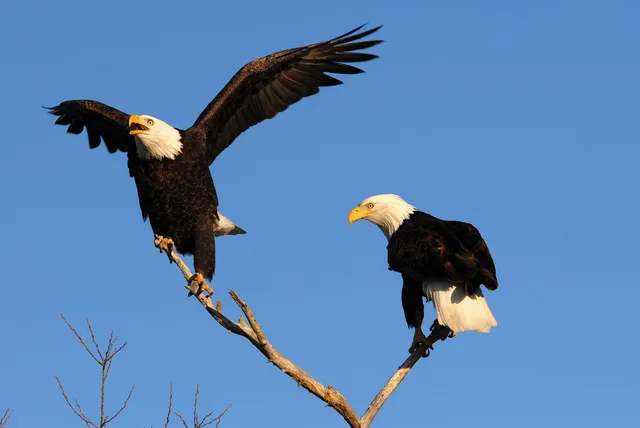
(394, 218)
(160, 145)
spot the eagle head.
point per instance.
(386, 211)
(154, 138)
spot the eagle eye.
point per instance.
(149, 122)
(369, 205)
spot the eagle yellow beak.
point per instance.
(136, 125)
(357, 214)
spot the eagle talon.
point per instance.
(165, 245)
(419, 339)
(198, 279)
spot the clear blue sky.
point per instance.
(520, 118)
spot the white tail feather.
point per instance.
(456, 310)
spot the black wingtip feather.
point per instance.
(348, 33)
(352, 57)
(269, 85)
(349, 37)
(357, 45)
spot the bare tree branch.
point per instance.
(4, 420)
(93, 338)
(184, 423)
(124, 406)
(80, 339)
(195, 406)
(104, 360)
(166, 424)
(76, 409)
(254, 334)
(439, 333)
(218, 419)
(197, 422)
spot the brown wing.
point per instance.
(269, 85)
(102, 123)
(473, 241)
(426, 247)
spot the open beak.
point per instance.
(136, 126)
(356, 214)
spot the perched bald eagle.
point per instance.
(442, 260)
(170, 166)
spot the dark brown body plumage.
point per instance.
(426, 247)
(178, 196)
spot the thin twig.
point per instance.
(184, 423)
(195, 406)
(124, 406)
(104, 360)
(80, 409)
(166, 424)
(255, 335)
(80, 339)
(4, 420)
(79, 413)
(93, 338)
(217, 419)
(197, 422)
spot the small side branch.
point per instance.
(437, 334)
(166, 424)
(255, 335)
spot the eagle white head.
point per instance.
(387, 211)
(155, 139)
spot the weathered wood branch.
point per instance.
(253, 333)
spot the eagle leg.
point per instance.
(164, 244)
(420, 339)
(198, 280)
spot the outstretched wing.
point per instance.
(473, 241)
(269, 85)
(102, 122)
(426, 247)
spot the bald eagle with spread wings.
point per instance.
(444, 261)
(170, 166)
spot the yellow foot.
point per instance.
(164, 244)
(418, 340)
(198, 280)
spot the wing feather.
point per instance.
(429, 247)
(472, 239)
(102, 122)
(269, 85)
